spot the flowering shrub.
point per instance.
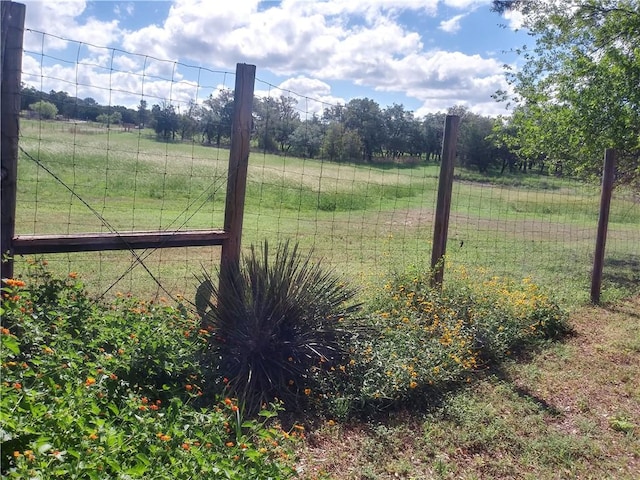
(110, 391)
(427, 339)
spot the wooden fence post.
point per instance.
(608, 177)
(238, 166)
(12, 39)
(443, 206)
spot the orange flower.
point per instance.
(93, 436)
(12, 282)
(17, 386)
(164, 438)
(89, 381)
(142, 408)
(186, 446)
(227, 401)
(154, 407)
(5, 331)
(188, 387)
(229, 444)
(113, 376)
(73, 275)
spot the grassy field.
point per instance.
(365, 220)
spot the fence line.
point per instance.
(365, 218)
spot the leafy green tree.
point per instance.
(306, 140)
(188, 121)
(578, 88)
(217, 117)
(433, 125)
(364, 116)
(114, 118)
(143, 113)
(332, 147)
(165, 120)
(476, 148)
(397, 122)
(46, 110)
(29, 96)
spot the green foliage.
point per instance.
(576, 90)
(46, 110)
(110, 391)
(425, 340)
(275, 324)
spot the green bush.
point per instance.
(278, 323)
(425, 340)
(114, 390)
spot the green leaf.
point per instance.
(11, 344)
(137, 470)
(114, 408)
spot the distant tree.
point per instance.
(143, 114)
(288, 121)
(332, 142)
(275, 119)
(29, 96)
(114, 118)
(306, 140)
(188, 121)
(88, 109)
(352, 147)
(397, 130)
(363, 116)
(334, 114)
(433, 125)
(165, 121)
(45, 110)
(476, 148)
(217, 116)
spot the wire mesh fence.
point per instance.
(364, 216)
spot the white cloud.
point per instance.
(452, 25)
(60, 19)
(309, 43)
(465, 4)
(514, 18)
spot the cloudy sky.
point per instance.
(425, 54)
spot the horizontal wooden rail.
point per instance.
(91, 242)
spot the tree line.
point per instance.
(358, 131)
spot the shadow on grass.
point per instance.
(623, 272)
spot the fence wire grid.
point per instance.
(364, 218)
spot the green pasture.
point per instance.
(365, 220)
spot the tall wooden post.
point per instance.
(12, 38)
(608, 177)
(238, 166)
(443, 206)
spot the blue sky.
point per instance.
(425, 54)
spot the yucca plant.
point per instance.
(275, 323)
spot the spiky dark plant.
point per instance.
(274, 322)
